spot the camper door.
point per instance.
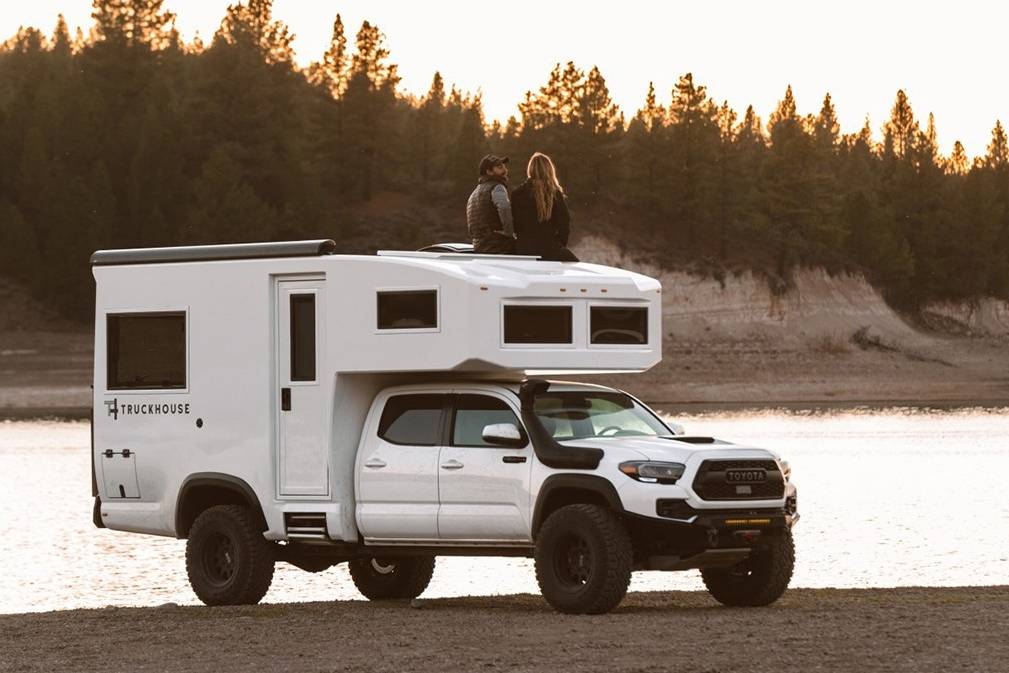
(303, 465)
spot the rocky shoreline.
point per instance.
(866, 630)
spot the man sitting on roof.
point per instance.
(489, 211)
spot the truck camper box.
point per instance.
(258, 363)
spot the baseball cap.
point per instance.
(490, 161)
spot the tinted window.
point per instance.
(146, 351)
(618, 325)
(412, 419)
(302, 337)
(537, 324)
(412, 309)
(472, 413)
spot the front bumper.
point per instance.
(694, 532)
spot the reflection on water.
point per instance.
(892, 497)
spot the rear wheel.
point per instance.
(583, 559)
(387, 578)
(228, 560)
(759, 580)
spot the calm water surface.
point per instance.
(893, 497)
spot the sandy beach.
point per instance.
(912, 629)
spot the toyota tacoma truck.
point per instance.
(277, 402)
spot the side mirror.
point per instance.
(503, 434)
(677, 428)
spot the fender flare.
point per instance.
(583, 482)
(217, 480)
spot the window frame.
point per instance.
(139, 313)
(540, 345)
(450, 424)
(618, 304)
(445, 407)
(412, 289)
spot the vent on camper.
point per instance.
(306, 525)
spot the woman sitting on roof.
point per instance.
(542, 222)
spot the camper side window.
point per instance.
(618, 325)
(407, 309)
(537, 324)
(146, 351)
(413, 420)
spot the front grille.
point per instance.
(712, 482)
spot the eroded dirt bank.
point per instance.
(915, 629)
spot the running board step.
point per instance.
(306, 525)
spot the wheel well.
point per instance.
(562, 497)
(199, 494)
(574, 490)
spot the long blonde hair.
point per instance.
(545, 186)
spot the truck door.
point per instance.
(484, 489)
(398, 469)
(303, 462)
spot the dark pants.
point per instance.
(495, 244)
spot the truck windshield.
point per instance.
(582, 414)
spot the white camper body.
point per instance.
(228, 418)
(270, 402)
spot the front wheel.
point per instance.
(583, 559)
(758, 580)
(391, 578)
(228, 560)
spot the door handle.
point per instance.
(513, 459)
(451, 465)
(285, 399)
(375, 462)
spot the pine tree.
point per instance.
(251, 24)
(369, 104)
(957, 163)
(901, 131)
(331, 73)
(428, 139)
(133, 23)
(997, 155)
(646, 154)
(694, 139)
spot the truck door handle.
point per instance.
(285, 399)
(375, 463)
(513, 459)
(451, 465)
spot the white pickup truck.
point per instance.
(280, 403)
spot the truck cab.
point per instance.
(277, 402)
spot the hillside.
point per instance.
(827, 337)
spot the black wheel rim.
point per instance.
(573, 562)
(219, 559)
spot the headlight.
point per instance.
(652, 472)
(786, 470)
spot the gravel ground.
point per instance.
(910, 629)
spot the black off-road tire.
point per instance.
(583, 559)
(228, 560)
(759, 580)
(392, 578)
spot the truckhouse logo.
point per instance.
(146, 409)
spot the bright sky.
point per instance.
(948, 57)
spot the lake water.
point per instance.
(892, 497)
